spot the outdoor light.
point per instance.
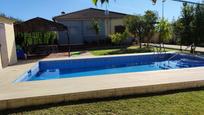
(184, 1)
(163, 8)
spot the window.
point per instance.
(119, 29)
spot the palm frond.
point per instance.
(95, 2)
(101, 1)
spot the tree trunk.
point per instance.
(164, 48)
(180, 47)
(149, 36)
(148, 41)
(98, 39)
(140, 42)
(160, 46)
(192, 48)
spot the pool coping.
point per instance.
(15, 95)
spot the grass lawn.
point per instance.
(184, 103)
(123, 50)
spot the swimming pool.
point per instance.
(70, 68)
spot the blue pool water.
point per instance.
(46, 70)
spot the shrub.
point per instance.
(119, 38)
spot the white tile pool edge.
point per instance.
(35, 68)
(119, 55)
(106, 56)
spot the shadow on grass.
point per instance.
(33, 108)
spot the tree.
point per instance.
(136, 26)
(187, 18)
(16, 20)
(96, 27)
(164, 29)
(151, 18)
(189, 28)
(198, 25)
(177, 27)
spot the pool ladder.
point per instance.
(177, 53)
(159, 51)
(192, 45)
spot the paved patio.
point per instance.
(198, 49)
(14, 95)
(65, 55)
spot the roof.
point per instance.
(37, 25)
(5, 20)
(90, 13)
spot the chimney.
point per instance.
(62, 12)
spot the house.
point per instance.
(80, 26)
(7, 43)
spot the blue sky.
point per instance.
(26, 9)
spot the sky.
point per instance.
(27, 9)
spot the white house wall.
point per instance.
(111, 23)
(116, 22)
(75, 33)
(89, 33)
(80, 31)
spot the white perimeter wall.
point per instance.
(10, 42)
(0, 62)
(3, 48)
(8, 47)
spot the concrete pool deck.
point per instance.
(14, 95)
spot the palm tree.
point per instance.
(102, 1)
(96, 27)
(164, 30)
